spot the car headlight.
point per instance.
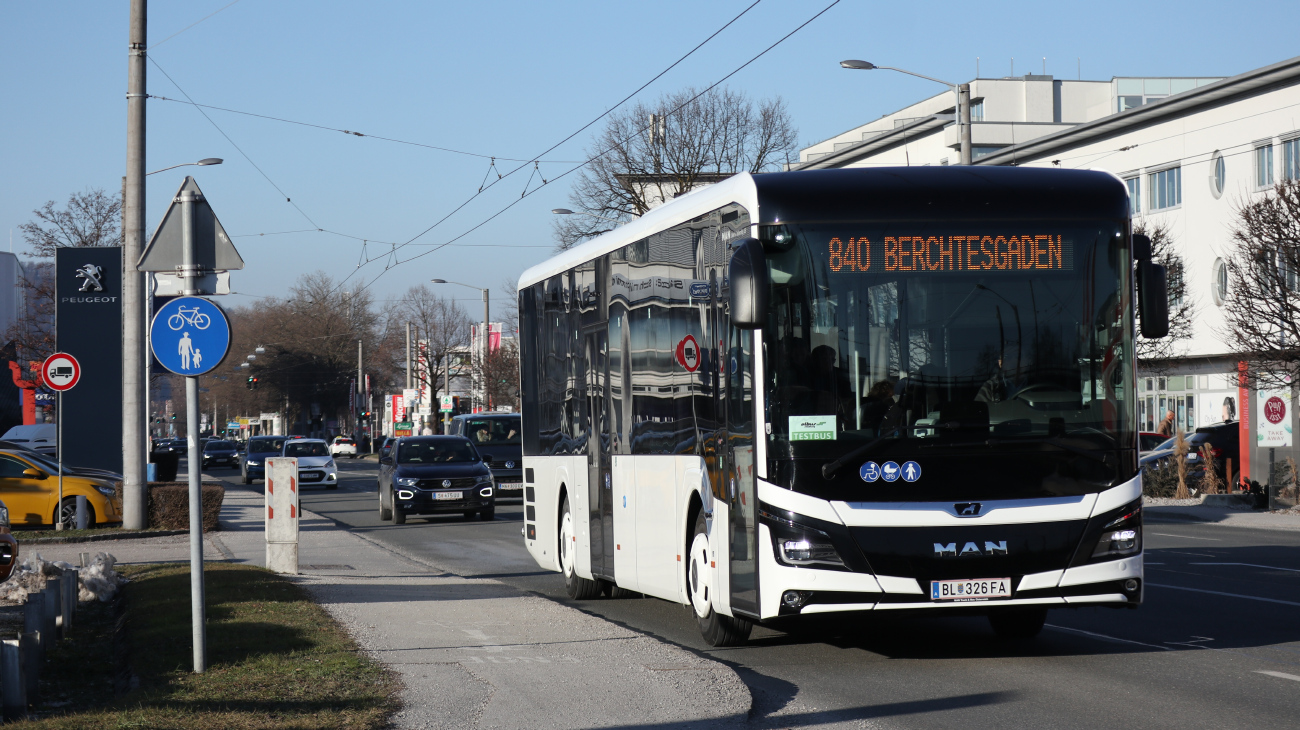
(1121, 536)
(252, 462)
(106, 490)
(4, 516)
(407, 481)
(330, 464)
(484, 480)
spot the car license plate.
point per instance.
(447, 495)
(516, 486)
(970, 590)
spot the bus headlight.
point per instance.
(1121, 536)
(807, 552)
(801, 545)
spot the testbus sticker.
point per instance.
(812, 428)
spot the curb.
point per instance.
(134, 535)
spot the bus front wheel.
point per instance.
(576, 586)
(718, 630)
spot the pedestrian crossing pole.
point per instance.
(189, 273)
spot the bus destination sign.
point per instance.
(1037, 252)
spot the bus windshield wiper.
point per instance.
(830, 467)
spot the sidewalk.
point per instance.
(470, 652)
(1222, 511)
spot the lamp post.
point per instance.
(487, 341)
(963, 100)
(201, 163)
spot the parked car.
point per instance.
(220, 453)
(253, 464)
(343, 446)
(429, 475)
(1225, 448)
(497, 438)
(43, 437)
(315, 464)
(1150, 441)
(31, 492)
(50, 464)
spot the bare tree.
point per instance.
(440, 323)
(1262, 309)
(501, 375)
(652, 153)
(510, 309)
(90, 218)
(33, 332)
(1157, 355)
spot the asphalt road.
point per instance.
(1216, 643)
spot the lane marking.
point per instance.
(1279, 675)
(1250, 565)
(1104, 637)
(1229, 595)
(1197, 555)
(1189, 537)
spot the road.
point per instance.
(1216, 643)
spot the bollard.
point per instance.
(30, 641)
(69, 599)
(52, 612)
(13, 680)
(83, 513)
(34, 619)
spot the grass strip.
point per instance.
(275, 660)
(23, 535)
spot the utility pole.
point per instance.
(446, 388)
(356, 397)
(487, 348)
(408, 356)
(963, 109)
(133, 327)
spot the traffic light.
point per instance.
(254, 383)
(173, 416)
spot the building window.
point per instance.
(1166, 188)
(1291, 159)
(1220, 289)
(1176, 289)
(1218, 174)
(977, 111)
(1134, 195)
(979, 150)
(1263, 166)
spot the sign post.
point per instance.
(60, 372)
(190, 336)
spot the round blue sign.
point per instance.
(189, 335)
(869, 472)
(890, 471)
(911, 471)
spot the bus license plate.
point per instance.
(447, 495)
(970, 590)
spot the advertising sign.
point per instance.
(88, 317)
(448, 404)
(1273, 428)
(399, 409)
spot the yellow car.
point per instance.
(30, 489)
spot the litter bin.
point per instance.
(165, 466)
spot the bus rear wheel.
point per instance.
(717, 630)
(576, 586)
(1018, 623)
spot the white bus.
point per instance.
(906, 389)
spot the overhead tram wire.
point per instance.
(191, 25)
(358, 134)
(603, 152)
(581, 129)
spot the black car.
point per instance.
(220, 453)
(253, 463)
(1223, 440)
(497, 438)
(428, 475)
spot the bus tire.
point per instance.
(1018, 623)
(577, 587)
(717, 630)
(612, 590)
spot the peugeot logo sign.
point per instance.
(446, 482)
(968, 509)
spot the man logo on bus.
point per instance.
(968, 509)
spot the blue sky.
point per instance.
(497, 78)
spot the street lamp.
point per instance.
(486, 343)
(202, 163)
(963, 99)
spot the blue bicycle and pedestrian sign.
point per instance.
(190, 335)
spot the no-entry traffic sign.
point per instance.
(61, 371)
(688, 353)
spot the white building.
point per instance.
(1191, 150)
(13, 303)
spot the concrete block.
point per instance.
(1226, 500)
(13, 680)
(53, 609)
(282, 557)
(30, 641)
(68, 601)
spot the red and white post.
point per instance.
(282, 513)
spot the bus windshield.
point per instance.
(950, 360)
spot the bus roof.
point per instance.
(901, 193)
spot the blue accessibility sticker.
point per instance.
(911, 471)
(891, 471)
(869, 472)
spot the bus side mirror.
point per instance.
(747, 274)
(1141, 247)
(1153, 300)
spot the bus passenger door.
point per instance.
(599, 488)
(742, 496)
